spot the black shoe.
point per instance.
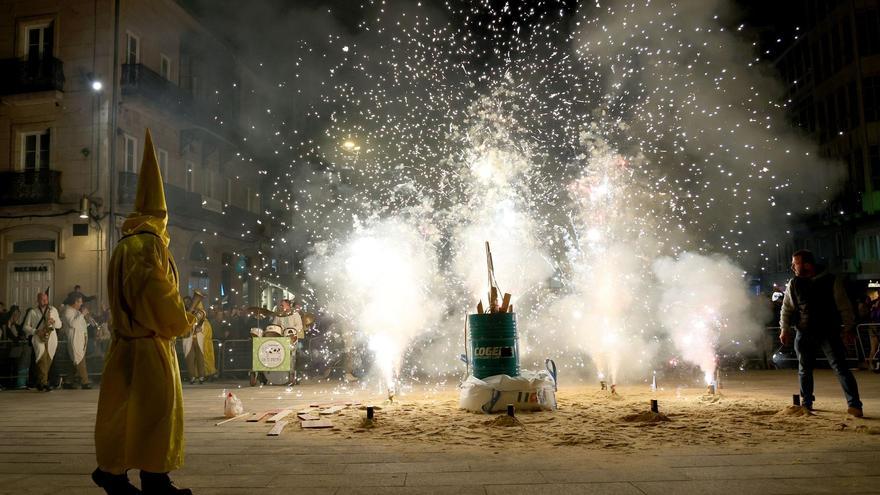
(86, 386)
(160, 484)
(192, 381)
(114, 484)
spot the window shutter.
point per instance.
(49, 41)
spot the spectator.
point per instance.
(874, 318)
(77, 292)
(816, 305)
(20, 349)
(102, 334)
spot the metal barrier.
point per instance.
(863, 333)
(62, 364)
(786, 353)
(234, 356)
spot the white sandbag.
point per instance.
(233, 406)
(528, 392)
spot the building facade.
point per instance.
(833, 76)
(80, 82)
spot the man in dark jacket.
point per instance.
(816, 305)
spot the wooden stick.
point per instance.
(260, 416)
(480, 307)
(321, 423)
(331, 410)
(231, 419)
(278, 417)
(493, 299)
(491, 268)
(277, 429)
(467, 364)
(505, 302)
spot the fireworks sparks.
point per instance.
(611, 147)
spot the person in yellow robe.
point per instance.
(198, 347)
(210, 360)
(139, 424)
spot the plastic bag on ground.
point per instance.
(233, 406)
(530, 391)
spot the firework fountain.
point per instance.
(634, 154)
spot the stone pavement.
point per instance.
(46, 447)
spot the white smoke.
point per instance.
(382, 279)
(703, 298)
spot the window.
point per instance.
(163, 163)
(209, 184)
(871, 95)
(847, 42)
(854, 116)
(857, 171)
(866, 247)
(130, 157)
(165, 67)
(35, 151)
(38, 40)
(253, 200)
(34, 246)
(866, 31)
(874, 163)
(190, 177)
(843, 119)
(132, 49)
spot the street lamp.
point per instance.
(97, 86)
(84, 207)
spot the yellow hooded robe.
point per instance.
(207, 345)
(139, 424)
(210, 365)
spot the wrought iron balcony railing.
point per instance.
(140, 80)
(29, 76)
(32, 187)
(187, 204)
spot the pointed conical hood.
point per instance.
(150, 212)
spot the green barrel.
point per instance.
(494, 349)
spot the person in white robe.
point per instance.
(291, 325)
(76, 329)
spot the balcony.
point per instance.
(183, 204)
(28, 188)
(19, 76)
(141, 81)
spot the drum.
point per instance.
(277, 377)
(256, 332)
(273, 331)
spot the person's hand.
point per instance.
(785, 337)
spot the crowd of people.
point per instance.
(31, 338)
